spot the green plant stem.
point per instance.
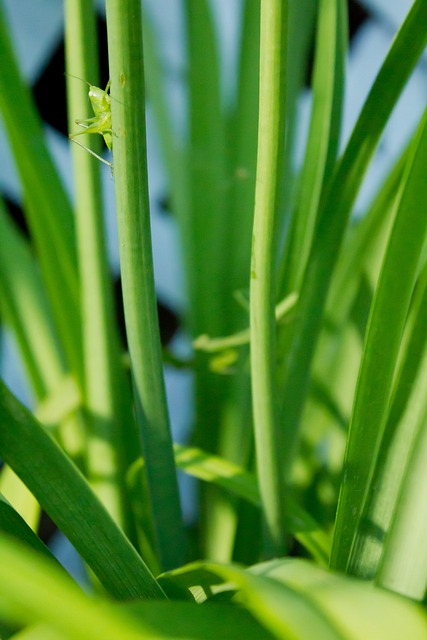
(323, 137)
(81, 55)
(133, 219)
(262, 294)
(109, 422)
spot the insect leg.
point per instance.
(92, 152)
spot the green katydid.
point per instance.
(100, 100)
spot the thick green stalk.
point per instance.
(262, 294)
(103, 380)
(133, 219)
(81, 58)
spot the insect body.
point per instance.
(101, 122)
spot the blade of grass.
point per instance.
(396, 464)
(130, 168)
(46, 204)
(391, 468)
(262, 295)
(335, 210)
(373, 394)
(65, 495)
(339, 350)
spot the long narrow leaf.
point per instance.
(342, 191)
(67, 498)
(47, 207)
(386, 323)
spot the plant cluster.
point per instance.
(308, 326)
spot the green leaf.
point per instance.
(65, 495)
(356, 608)
(284, 612)
(295, 599)
(198, 622)
(33, 590)
(47, 206)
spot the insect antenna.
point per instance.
(77, 78)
